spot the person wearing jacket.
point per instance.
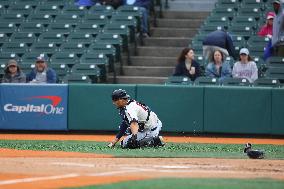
(41, 73)
(278, 29)
(144, 6)
(13, 73)
(218, 68)
(186, 65)
(266, 29)
(218, 40)
(245, 67)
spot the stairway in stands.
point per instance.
(156, 60)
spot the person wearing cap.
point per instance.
(139, 123)
(278, 29)
(266, 29)
(41, 73)
(13, 73)
(218, 67)
(218, 40)
(245, 67)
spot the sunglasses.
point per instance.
(12, 66)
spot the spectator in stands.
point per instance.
(245, 67)
(144, 5)
(278, 29)
(186, 65)
(218, 67)
(218, 40)
(41, 73)
(13, 73)
(266, 29)
(87, 3)
(113, 3)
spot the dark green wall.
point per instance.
(180, 108)
(91, 108)
(237, 110)
(277, 111)
(209, 109)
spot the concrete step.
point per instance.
(173, 32)
(191, 5)
(179, 23)
(159, 52)
(152, 61)
(150, 71)
(139, 80)
(185, 15)
(168, 41)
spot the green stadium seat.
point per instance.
(44, 47)
(80, 37)
(98, 19)
(178, 80)
(235, 82)
(8, 28)
(6, 3)
(76, 48)
(250, 12)
(253, 3)
(257, 51)
(51, 9)
(275, 61)
(257, 41)
(5, 57)
(60, 3)
(14, 18)
(205, 29)
(227, 4)
(52, 37)
(91, 70)
(275, 72)
(27, 2)
(23, 37)
(3, 38)
(267, 82)
(217, 20)
(72, 19)
(27, 68)
(93, 29)
(76, 78)
(245, 20)
(118, 29)
(63, 28)
(40, 18)
(206, 81)
(20, 9)
(223, 11)
(15, 47)
(241, 30)
(102, 10)
(73, 9)
(33, 27)
(64, 58)
(61, 70)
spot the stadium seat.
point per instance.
(205, 29)
(5, 57)
(52, 37)
(275, 72)
(250, 12)
(101, 10)
(257, 51)
(76, 48)
(267, 82)
(33, 27)
(275, 61)
(245, 20)
(20, 9)
(8, 28)
(91, 70)
(93, 29)
(14, 18)
(27, 2)
(27, 68)
(72, 9)
(63, 28)
(76, 78)
(23, 37)
(15, 47)
(206, 81)
(44, 47)
(217, 20)
(256, 40)
(80, 37)
(241, 30)
(51, 9)
(72, 19)
(40, 18)
(223, 11)
(98, 19)
(178, 80)
(61, 71)
(3, 38)
(235, 82)
(64, 58)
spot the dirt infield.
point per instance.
(41, 169)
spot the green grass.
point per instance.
(170, 150)
(192, 183)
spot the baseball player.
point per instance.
(138, 122)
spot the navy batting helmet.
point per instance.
(118, 94)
